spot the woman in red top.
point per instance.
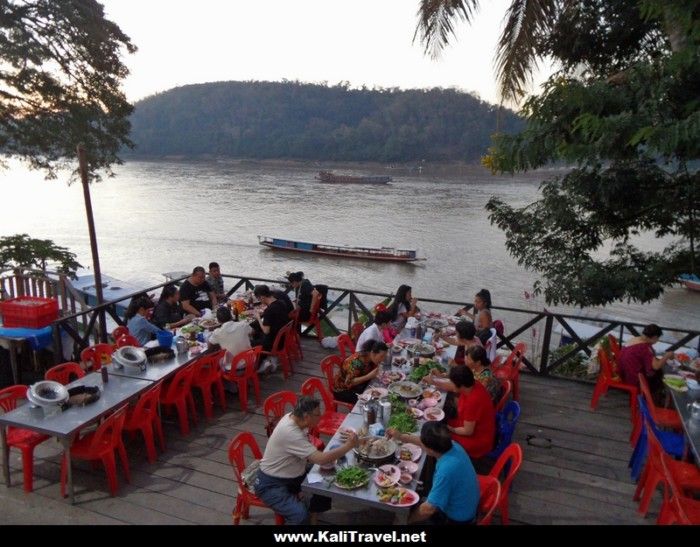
(474, 427)
(638, 356)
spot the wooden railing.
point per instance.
(357, 303)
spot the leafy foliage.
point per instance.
(59, 83)
(22, 251)
(315, 122)
(574, 367)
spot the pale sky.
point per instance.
(360, 41)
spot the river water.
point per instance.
(159, 216)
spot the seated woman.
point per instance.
(477, 360)
(303, 290)
(484, 326)
(168, 314)
(358, 370)
(465, 338)
(139, 327)
(482, 301)
(638, 356)
(403, 307)
(474, 426)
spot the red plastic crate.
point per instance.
(31, 312)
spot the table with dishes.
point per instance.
(685, 393)
(383, 473)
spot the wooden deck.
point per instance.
(580, 477)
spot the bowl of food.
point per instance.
(375, 450)
(421, 350)
(406, 389)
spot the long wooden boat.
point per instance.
(691, 281)
(388, 254)
(327, 176)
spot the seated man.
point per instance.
(196, 294)
(284, 463)
(454, 496)
(233, 336)
(216, 282)
(168, 313)
(302, 294)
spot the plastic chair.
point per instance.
(65, 373)
(23, 439)
(663, 417)
(356, 330)
(98, 355)
(491, 345)
(676, 508)
(314, 316)
(686, 475)
(508, 464)
(346, 346)
(274, 408)
(506, 387)
(119, 332)
(101, 445)
(608, 379)
(207, 375)
(292, 345)
(178, 393)
(506, 420)
(499, 326)
(328, 365)
(490, 490)
(331, 419)
(144, 417)
(510, 369)
(614, 347)
(127, 340)
(236, 456)
(279, 350)
(248, 374)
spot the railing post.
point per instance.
(351, 312)
(544, 357)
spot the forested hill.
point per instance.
(315, 122)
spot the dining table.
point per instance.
(683, 401)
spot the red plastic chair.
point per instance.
(292, 345)
(127, 340)
(248, 374)
(346, 346)
(676, 508)
(314, 317)
(328, 366)
(510, 369)
(614, 347)
(508, 463)
(23, 439)
(119, 332)
(356, 330)
(608, 379)
(506, 387)
(101, 445)
(207, 375)
(244, 498)
(178, 393)
(331, 419)
(65, 373)
(490, 490)
(663, 417)
(144, 417)
(98, 355)
(279, 350)
(685, 475)
(275, 406)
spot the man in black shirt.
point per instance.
(196, 294)
(273, 318)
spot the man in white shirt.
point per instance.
(233, 336)
(283, 466)
(374, 331)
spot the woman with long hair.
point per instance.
(403, 307)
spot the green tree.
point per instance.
(624, 110)
(59, 84)
(22, 251)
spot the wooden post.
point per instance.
(82, 163)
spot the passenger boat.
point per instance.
(691, 281)
(388, 254)
(327, 176)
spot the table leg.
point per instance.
(66, 442)
(5, 455)
(13, 362)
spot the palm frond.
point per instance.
(436, 19)
(516, 55)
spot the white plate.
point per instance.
(438, 414)
(416, 451)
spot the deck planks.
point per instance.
(581, 478)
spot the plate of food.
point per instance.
(427, 403)
(436, 323)
(209, 323)
(391, 376)
(407, 466)
(387, 475)
(398, 496)
(431, 393)
(351, 477)
(409, 452)
(434, 414)
(675, 382)
(415, 412)
(399, 361)
(408, 341)
(373, 393)
(405, 389)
